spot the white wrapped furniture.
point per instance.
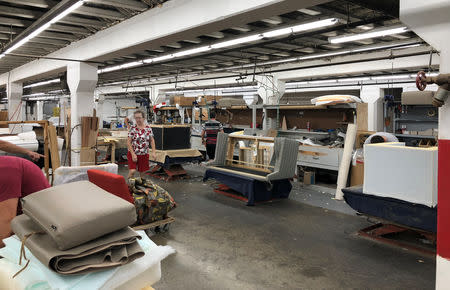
(405, 173)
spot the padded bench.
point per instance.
(257, 181)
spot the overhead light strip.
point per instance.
(371, 34)
(293, 85)
(406, 44)
(42, 28)
(223, 89)
(42, 83)
(232, 42)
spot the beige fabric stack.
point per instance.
(78, 228)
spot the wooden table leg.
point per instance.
(113, 152)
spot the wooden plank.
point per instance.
(251, 163)
(53, 141)
(247, 137)
(284, 124)
(154, 224)
(251, 167)
(46, 153)
(113, 152)
(23, 122)
(362, 117)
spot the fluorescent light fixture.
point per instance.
(42, 83)
(309, 11)
(354, 79)
(408, 46)
(319, 55)
(192, 51)
(371, 34)
(33, 95)
(237, 41)
(391, 77)
(293, 84)
(222, 89)
(237, 93)
(131, 64)
(300, 27)
(2, 55)
(43, 27)
(322, 82)
(314, 25)
(277, 32)
(67, 11)
(159, 58)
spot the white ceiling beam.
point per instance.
(134, 34)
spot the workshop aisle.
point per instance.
(223, 244)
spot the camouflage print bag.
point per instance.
(152, 202)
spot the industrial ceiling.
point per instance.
(353, 17)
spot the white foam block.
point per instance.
(405, 173)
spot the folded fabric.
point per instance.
(37, 276)
(111, 250)
(75, 213)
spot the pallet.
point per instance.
(225, 190)
(380, 232)
(157, 227)
(173, 172)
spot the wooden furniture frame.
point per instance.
(258, 161)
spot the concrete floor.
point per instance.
(223, 244)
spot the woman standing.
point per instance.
(140, 136)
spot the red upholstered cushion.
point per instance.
(110, 182)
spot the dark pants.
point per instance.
(211, 150)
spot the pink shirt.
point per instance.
(19, 177)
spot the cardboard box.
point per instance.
(362, 116)
(417, 98)
(357, 174)
(361, 137)
(309, 177)
(212, 98)
(183, 101)
(428, 132)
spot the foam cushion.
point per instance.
(112, 183)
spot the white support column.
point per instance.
(372, 95)
(14, 92)
(254, 118)
(264, 124)
(39, 110)
(99, 107)
(429, 19)
(82, 79)
(64, 103)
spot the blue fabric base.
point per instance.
(398, 211)
(253, 190)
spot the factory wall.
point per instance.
(110, 106)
